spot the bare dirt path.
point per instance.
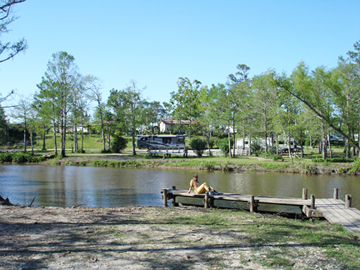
(142, 238)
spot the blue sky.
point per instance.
(156, 41)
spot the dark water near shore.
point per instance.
(103, 187)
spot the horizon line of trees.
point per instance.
(305, 104)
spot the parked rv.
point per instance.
(243, 145)
(160, 141)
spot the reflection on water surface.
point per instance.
(102, 187)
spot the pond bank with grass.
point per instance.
(224, 164)
(340, 166)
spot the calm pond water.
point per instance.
(102, 187)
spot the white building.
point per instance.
(167, 126)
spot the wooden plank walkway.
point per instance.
(252, 201)
(334, 211)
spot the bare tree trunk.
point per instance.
(229, 141)
(348, 146)
(76, 147)
(102, 127)
(25, 134)
(32, 142)
(82, 138)
(44, 138)
(108, 140)
(354, 149)
(329, 145)
(289, 149)
(234, 137)
(63, 138)
(55, 141)
(133, 142)
(250, 144)
(208, 134)
(301, 145)
(359, 144)
(324, 141)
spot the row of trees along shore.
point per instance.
(306, 104)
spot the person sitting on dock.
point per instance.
(199, 189)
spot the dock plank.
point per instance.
(333, 210)
(245, 198)
(336, 212)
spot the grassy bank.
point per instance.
(310, 164)
(169, 238)
(242, 163)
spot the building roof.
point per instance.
(174, 122)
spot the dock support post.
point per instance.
(252, 204)
(347, 201)
(336, 193)
(312, 198)
(304, 194)
(206, 200)
(165, 197)
(173, 199)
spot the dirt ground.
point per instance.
(134, 238)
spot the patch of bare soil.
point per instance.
(133, 238)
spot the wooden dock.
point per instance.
(334, 210)
(337, 212)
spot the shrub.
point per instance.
(198, 146)
(211, 143)
(118, 144)
(20, 157)
(35, 159)
(208, 165)
(5, 157)
(356, 166)
(339, 160)
(256, 148)
(277, 157)
(223, 145)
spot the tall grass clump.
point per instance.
(208, 165)
(356, 167)
(5, 157)
(19, 157)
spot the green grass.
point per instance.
(277, 238)
(91, 141)
(93, 146)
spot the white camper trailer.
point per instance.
(162, 144)
(242, 145)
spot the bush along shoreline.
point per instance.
(340, 166)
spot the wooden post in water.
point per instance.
(252, 203)
(347, 201)
(173, 198)
(211, 202)
(312, 198)
(165, 197)
(206, 202)
(336, 193)
(304, 194)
